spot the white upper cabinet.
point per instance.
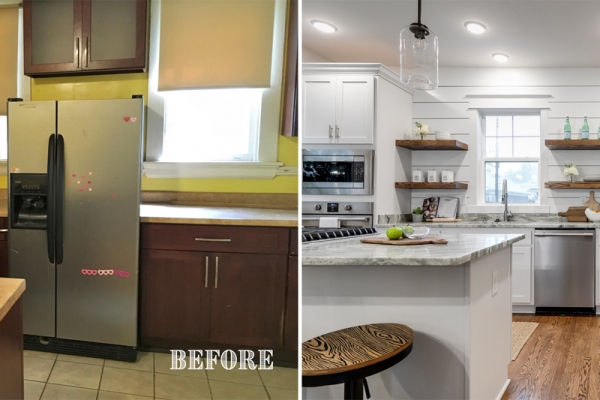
(338, 109)
(319, 108)
(355, 105)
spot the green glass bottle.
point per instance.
(585, 131)
(567, 129)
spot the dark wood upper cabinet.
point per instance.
(75, 37)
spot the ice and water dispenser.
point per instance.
(28, 206)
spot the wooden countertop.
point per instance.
(202, 215)
(10, 291)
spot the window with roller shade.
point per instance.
(218, 94)
(9, 23)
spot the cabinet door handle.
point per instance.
(330, 132)
(212, 240)
(206, 273)
(216, 272)
(337, 132)
(77, 51)
(86, 52)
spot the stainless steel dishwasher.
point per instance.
(564, 269)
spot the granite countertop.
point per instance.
(491, 224)
(203, 215)
(10, 291)
(460, 249)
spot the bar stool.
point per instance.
(350, 355)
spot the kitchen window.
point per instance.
(211, 125)
(215, 133)
(511, 151)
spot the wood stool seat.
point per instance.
(353, 354)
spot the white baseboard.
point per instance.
(503, 389)
(523, 309)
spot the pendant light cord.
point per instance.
(420, 12)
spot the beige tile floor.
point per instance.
(60, 377)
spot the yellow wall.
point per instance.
(123, 86)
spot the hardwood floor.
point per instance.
(561, 360)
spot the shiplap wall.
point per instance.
(454, 107)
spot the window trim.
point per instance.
(266, 166)
(482, 159)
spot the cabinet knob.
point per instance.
(317, 207)
(347, 207)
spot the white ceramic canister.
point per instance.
(433, 176)
(447, 176)
(417, 175)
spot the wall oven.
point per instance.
(337, 172)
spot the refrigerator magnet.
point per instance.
(15, 170)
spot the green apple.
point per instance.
(407, 230)
(394, 233)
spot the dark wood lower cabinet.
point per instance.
(11, 353)
(217, 299)
(291, 307)
(248, 299)
(3, 247)
(174, 301)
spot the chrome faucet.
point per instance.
(507, 214)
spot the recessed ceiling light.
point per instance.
(500, 57)
(323, 26)
(475, 27)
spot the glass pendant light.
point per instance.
(419, 56)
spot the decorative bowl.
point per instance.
(592, 216)
(591, 178)
(442, 135)
(420, 232)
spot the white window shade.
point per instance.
(9, 31)
(215, 44)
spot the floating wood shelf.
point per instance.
(572, 185)
(573, 144)
(432, 145)
(432, 185)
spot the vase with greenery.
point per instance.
(421, 130)
(570, 172)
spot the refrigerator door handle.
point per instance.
(51, 239)
(60, 194)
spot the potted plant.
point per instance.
(417, 215)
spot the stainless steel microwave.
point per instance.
(337, 172)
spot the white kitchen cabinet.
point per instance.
(522, 260)
(319, 108)
(521, 275)
(355, 109)
(338, 109)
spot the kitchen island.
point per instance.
(462, 344)
(11, 338)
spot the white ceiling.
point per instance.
(546, 33)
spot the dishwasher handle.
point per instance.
(564, 234)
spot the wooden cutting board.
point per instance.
(575, 214)
(592, 204)
(405, 241)
(443, 220)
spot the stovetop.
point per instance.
(315, 234)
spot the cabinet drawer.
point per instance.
(225, 239)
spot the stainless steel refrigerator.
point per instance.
(74, 199)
